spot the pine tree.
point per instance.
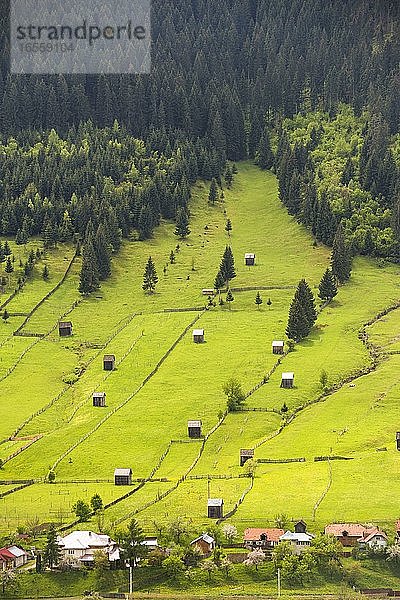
(348, 173)
(341, 257)
(7, 249)
(9, 266)
(229, 298)
(89, 276)
(307, 301)
(228, 177)
(213, 194)
(302, 313)
(51, 554)
(182, 223)
(227, 267)
(150, 278)
(327, 287)
(258, 300)
(45, 273)
(2, 253)
(172, 258)
(228, 227)
(102, 251)
(264, 154)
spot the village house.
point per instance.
(12, 557)
(354, 534)
(78, 548)
(266, 539)
(299, 538)
(205, 543)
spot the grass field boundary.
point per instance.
(22, 486)
(262, 288)
(48, 295)
(275, 461)
(326, 490)
(238, 503)
(25, 447)
(131, 396)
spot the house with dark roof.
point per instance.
(205, 543)
(299, 538)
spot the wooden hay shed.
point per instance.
(245, 455)
(398, 440)
(300, 526)
(278, 346)
(287, 380)
(65, 328)
(208, 292)
(123, 476)
(109, 362)
(99, 399)
(215, 508)
(250, 259)
(198, 336)
(194, 429)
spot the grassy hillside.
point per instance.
(163, 379)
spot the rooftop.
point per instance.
(194, 423)
(287, 375)
(215, 502)
(198, 331)
(253, 534)
(122, 472)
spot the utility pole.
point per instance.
(130, 579)
(279, 583)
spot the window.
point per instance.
(71, 552)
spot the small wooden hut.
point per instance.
(287, 380)
(215, 507)
(123, 476)
(278, 346)
(198, 336)
(194, 429)
(250, 259)
(245, 455)
(99, 399)
(65, 328)
(109, 362)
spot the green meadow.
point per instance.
(162, 379)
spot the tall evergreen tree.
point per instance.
(302, 313)
(327, 287)
(182, 223)
(264, 155)
(102, 250)
(227, 267)
(89, 276)
(213, 194)
(150, 278)
(341, 260)
(52, 552)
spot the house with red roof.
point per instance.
(355, 534)
(266, 539)
(12, 557)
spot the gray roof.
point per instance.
(249, 255)
(65, 324)
(122, 472)
(205, 537)
(244, 452)
(198, 331)
(99, 395)
(278, 343)
(287, 375)
(109, 357)
(194, 423)
(215, 502)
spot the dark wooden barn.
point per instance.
(198, 336)
(99, 399)
(287, 380)
(215, 508)
(245, 455)
(278, 346)
(194, 429)
(250, 259)
(398, 440)
(300, 527)
(65, 328)
(123, 476)
(109, 362)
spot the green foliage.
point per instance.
(341, 257)
(96, 503)
(150, 278)
(182, 223)
(327, 287)
(46, 273)
(131, 542)
(51, 553)
(173, 567)
(235, 395)
(82, 510)
(302, 313)
(258, 301)
(213, 194)
(89, 276)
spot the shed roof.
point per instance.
(296, 537)
(244, 452)
(109, 357)
(5, 554)
(65, 324)
(122, 472)
(205, 538)
(99, 394)
(198, 331)
(351, 529)
(17, 551)
(278, 343)
(287, 375)
(195, 423)
(250, 255)
(215, 502)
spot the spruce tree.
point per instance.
(302, 313)
(258, 300)
(341, 257)
(227, 267)
(228, 177)
(9, 266)
(51, 554)
(264, 155)
(45, 273)
(89, 276)
(2, 253)
(327, 287)
(182, 223)
(150, 278)
(228, 227)
(307, 301)
(213, 194)
(7, 249)
(103, 251)
(229, 298)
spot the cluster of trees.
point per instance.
(342, 169)
(349, 53)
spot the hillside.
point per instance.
(162, 379)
